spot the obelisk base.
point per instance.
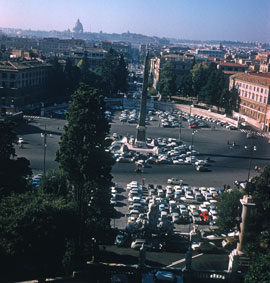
(140, 136)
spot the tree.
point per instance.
(122, 75)
(55, 182)
(199, 78)
(259, 270)
(13, 171)
(83, 158)
(185, 87)
(167, 83)
(108, 71)
(85, 68)
(72, 77)
(259, 227)
(229, 210)
(34, 231)
(56, 81)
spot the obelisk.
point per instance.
(140, 133)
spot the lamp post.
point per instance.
(192, 140)
(253, 148)
(44, 150)
(180, 127)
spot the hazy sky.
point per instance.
(244, 20)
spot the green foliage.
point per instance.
(7, 138)
(108, 71)
(83, 158)
(56, 81)
(259, 225)
(259, 270)
(167, 82)
(55, 182)
(185, 86)
(152, 91)
(122, 75)
(13, 171)
(34, 230)
(72, 76)
(229, 210)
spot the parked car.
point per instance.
(175, 181)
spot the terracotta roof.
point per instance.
(232, 64)
(257, 78)
(22, 65)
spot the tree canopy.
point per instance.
(13, 170)
(229, 210)
(167, 82)
(34, 230)
(87, 165)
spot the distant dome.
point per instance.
(78, 27)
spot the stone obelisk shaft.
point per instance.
(140, 135)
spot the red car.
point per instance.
(193, 126)
(205, 216)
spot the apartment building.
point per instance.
(22, 81)
(95, 56)
(181, 64)
(254, 91)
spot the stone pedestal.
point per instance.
(140, 134)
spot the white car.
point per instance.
(175, 181)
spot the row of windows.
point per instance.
(253, 96)
(13, 76)
(24, 83)
(257, 89)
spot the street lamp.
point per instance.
(180, 127)
(44, 150)
(192, 137)
(253, 148)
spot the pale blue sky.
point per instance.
(244, 20)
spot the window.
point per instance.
(260, 98)
(261, 90)
(264, 100)
(256, 97)
(265, 91)
(250, 87)
(257, 89)
(245, 94)
(4, 84)
(4, 75)
(252, 95)
(246, 86)
(12, 76)
(11, 84)
(254, 88)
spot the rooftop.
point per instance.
(22, 65)
(257, 78)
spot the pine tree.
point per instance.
(83, 158)
(122, 75)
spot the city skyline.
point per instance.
(241, 20)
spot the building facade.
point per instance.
(182, 64)
(95, 56)
(21, 81)
(254, 91)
